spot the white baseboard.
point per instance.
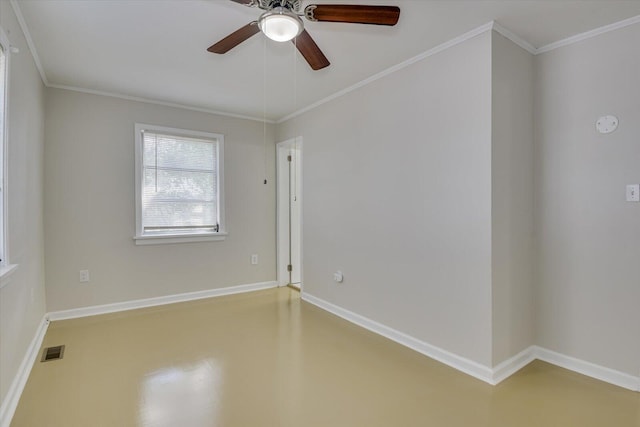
(589, 369)
(10, 402)
(512, 365)
(152, 302)
(490, 375)
(460, 363)
(493, 375)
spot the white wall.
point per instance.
(397, 195)
(22, 297)
(588, 236)
(511, 199)
(90, 214)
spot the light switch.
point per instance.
(84, 276)
(633, 193)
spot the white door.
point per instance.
(290, 212)
(295, 198)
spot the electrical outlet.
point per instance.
(254, 259)
(338, 277)
(84, 276)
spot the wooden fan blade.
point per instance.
(352, 13)
(310, 50)
(235, 38)
(245, 2)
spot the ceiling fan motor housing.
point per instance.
(292, 5)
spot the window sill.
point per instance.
(184, 238)
(5, 273)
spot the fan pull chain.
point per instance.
(295, 108)
(264, 106)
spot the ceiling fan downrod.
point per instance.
(292, 5)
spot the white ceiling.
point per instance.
(156, 49)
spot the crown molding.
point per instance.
(433, 51)
(158, 102)
(514, 38)
(43, 76)
(589, 34)
(493, 25)
(27, 36)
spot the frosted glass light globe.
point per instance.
(280, 24)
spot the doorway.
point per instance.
(289, 202)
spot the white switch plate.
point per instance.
(633, 193)
(84, 276)
(254, 259)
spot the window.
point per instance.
(6, 268)
(179, 191)
(4, 45)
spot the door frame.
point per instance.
(282, 276)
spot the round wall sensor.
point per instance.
(607, 124)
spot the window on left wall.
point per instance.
(6, 268)
(4, 45)
(179, 185)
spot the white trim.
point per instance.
(444, 46)
(588, 34)
(280, 274)
(6, 271)
(460, 363)
(589, 369)
(158, 102)
(155, 301)
(280, 264)
(505, 369)
(174, 238)
(5, 43)
(457, 40)
(491, 376)
(514, 38)
(493, 25)
(27, 36)
(494, 375)
(43, 76)
(11, 399)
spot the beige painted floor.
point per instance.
(268, 359)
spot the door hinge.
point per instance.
(289, 267)
(288, 158)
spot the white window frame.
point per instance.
(6, 268)
(142, 239)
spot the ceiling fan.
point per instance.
(281, 22)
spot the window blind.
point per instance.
(180, 184)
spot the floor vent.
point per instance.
(52, 353)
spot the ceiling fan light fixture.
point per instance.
(280, 24)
